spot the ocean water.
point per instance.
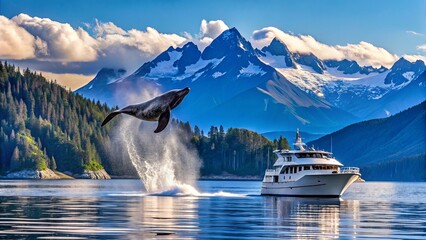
(120, 209)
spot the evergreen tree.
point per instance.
(52, 164)
(15, 162)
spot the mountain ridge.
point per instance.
(380, 141)
(230, 68)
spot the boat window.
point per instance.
(306, 167)
(298, 155)
(300, 168)
(291, 170)
(286, 170)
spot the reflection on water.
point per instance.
(306, 216)
(118, 209)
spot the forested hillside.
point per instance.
(43, 125)
(236, 151)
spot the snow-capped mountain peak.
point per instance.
(230, 42)
(403, 71)
(171, 62)
(277, 55)
(105, 76)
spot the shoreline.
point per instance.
(48, 174)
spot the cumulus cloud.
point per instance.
(364, 53)
(209, 31)
(15, 41)
(58, 41)
(422, 47)
(129, 49)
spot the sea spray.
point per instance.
(164, 162)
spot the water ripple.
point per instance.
(119, 210)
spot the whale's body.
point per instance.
(156, 109)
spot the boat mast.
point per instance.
(299, 145)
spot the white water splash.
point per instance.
(162, 161)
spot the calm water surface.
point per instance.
(119, 209)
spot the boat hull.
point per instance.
(324, 185)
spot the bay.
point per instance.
(121, 209)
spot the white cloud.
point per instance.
(102, 29)
(364, 53)
(129, 49)
(69, 80)
(74, 50)
(15, 42)
(414, 33)
(422, 47)
(209, 31)
(43, 39)
(413, 58)
(58, 41)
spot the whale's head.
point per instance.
(178, 97)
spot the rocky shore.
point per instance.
(49, 174)
(32, 174)
(100, 174)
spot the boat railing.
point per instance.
(349, 170)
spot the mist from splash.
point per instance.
(163, 161)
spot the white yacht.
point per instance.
(307, 172)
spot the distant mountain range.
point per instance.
(392, 148)
(268, 89)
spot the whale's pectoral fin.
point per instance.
(163, 121)
(109, 117)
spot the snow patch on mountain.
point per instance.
(377, 80)
(409, 75)
(306, 79)
(166, 68)
(273, 60)
(344, 76)
(191, 69)
(251, 70)
(218, 74)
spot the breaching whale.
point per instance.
(156, 109)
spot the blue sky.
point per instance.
(381, 22)
(397, 26)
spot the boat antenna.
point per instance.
(268, 159)
(299, 145)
